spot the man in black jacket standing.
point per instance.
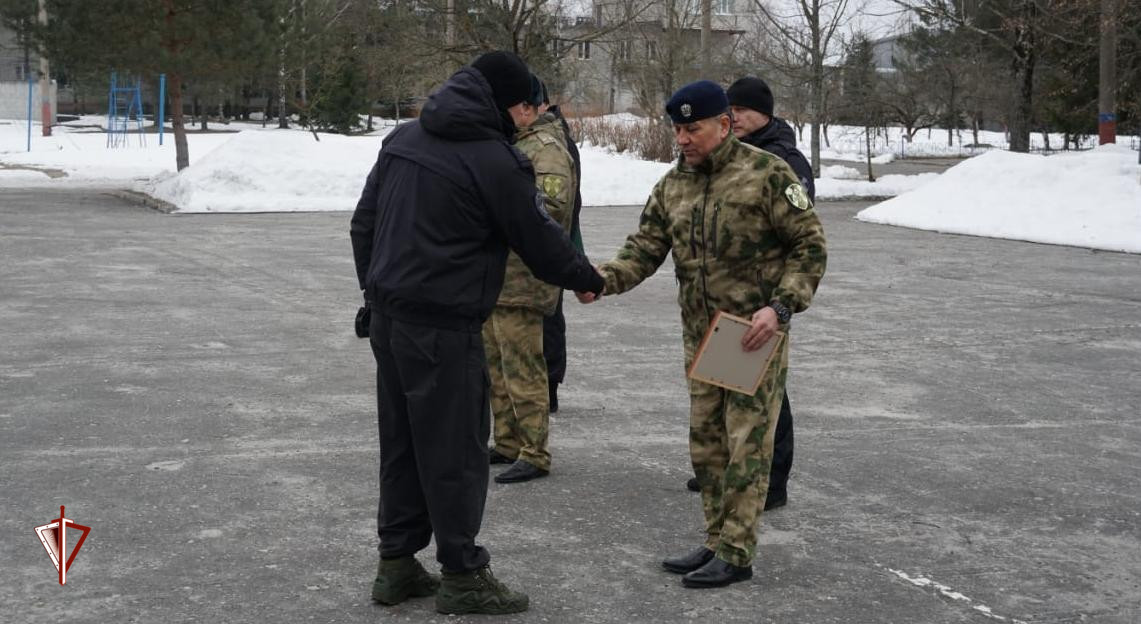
(555, 325)
(446, 198)
(751, 103)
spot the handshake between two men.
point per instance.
(764, 322)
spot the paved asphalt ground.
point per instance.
(907, 166)
(967, 428)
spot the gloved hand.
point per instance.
(364, 317)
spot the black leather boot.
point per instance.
(520, 471)
(495, 457)
(716, 573)
(689, 561)
(775, 500)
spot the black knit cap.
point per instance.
(695, 101)
(750, 92)
(538, 92)
(508, 76)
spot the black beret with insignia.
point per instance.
(697, 100)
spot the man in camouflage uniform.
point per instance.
(513, 335)
(751, 103)
(746, 240)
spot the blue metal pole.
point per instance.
(161, 105)
(30, 86)
(111, 113)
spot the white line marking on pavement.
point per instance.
(922, 581)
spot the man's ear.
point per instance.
(726, 124)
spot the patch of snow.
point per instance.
(840, 172)
(610, 179)
(272, 172)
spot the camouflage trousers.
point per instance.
(731, 447)
(513, 340)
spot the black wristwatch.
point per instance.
(784, 315)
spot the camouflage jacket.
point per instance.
(545, 144)
(742, 231)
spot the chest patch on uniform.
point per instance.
(553, 186)
(797, 197)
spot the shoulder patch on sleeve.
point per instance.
(797, 197)
(553, 186)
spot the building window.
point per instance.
(21, 74)
(584, 50)
(651, 49)
(719, 7)
(624, 50)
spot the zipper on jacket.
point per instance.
(713, 242)
(704, 268)
(693, 232)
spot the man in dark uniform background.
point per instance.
(446, 198)
(751, 103)
(555, 325)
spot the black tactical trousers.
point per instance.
(782, 450)
(432, 404)
(555, 344)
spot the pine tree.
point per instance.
(862, 99)
(191, 41)
(342, 95)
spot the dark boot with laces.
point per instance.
(477, 591)
(400, 579)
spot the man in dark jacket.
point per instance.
(555, 325)
(751, 103)
(446, 198)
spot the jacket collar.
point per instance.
(541, 124)
(777, 130)
(717, 159)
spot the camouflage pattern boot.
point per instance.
(399, 579)
(477, 592)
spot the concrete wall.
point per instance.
(14, 100)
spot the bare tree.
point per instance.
(810, 27)
(1019, 28)
(656, 47)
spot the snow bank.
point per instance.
(82, 154)
(15, 177)
(617, 179)
(840, 172)
(272, 172)
(1084, 199)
